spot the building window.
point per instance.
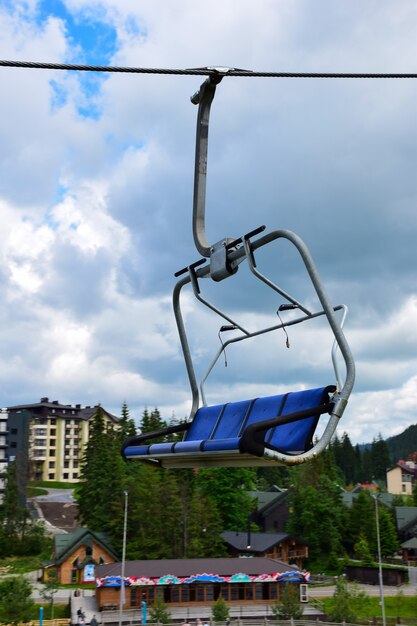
(52, 432)
(13, 431)
(51, 476)
(75, 475)
(53, 421)
(66, 464)
(51, 463)
(52, 452)
(52, 443)
(75, 464)
(65, 477)
(13, 444)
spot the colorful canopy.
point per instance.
(239, 577)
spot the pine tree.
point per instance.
(362, 521)
(127, 426)
(289, 607)
(151, 422)
(348, 459)
(358, 473)
(388, 536)
(367, 466)
(380, 458)
(102, 477)
(203, 528)
(220, 611)
(362, 550)
(316, 509)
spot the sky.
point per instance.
(96, 188)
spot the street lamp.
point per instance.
(122, 577)
(381, 580)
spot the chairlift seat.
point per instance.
(239, 433)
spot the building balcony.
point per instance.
(38, 456)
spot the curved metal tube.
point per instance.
(203, 98)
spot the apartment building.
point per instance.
(401, 478)
(3, 449)
(48, 438)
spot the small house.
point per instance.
(75, 556)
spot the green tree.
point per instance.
(19, 534)
(50, 588)
(289, 607)
(102, 479)
(127, 426)
(317, 513)
(358, 473)
(152, 422)
(361, 522)
(362, 550)
(348, 601)
(387, 532)
(203, 528)
(380, 458)
(228, 489)
(367, 465)
(159, 612)
(220, 611)
(15, 600)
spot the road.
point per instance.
(57, 495)
(370, 590)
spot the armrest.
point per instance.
(253, 437)
(136, 440)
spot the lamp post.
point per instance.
(122, 576)
(380, 577)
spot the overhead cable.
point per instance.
(201, 71)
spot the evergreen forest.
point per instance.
(181, 513)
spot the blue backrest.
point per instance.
(293, 437)
(204, 423)
(226, 421)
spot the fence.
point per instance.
(390, 621)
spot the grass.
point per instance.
(395, 606)
(20, 564)
(60, 611)
(32, 492)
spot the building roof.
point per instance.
(82, 413)
(259, 542)
(267, 499)
(406, 516)
(182, 568)
(410, 544)
(65, 544)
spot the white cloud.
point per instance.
(96, 211)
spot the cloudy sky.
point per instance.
(96, 183)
